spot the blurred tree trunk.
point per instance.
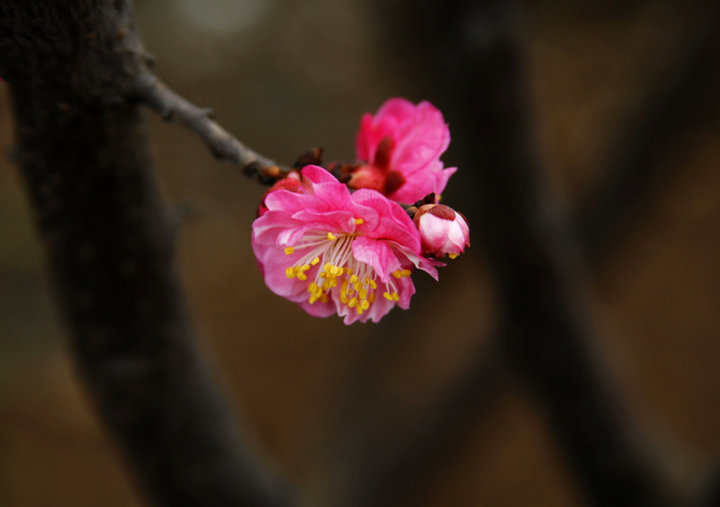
(83, 155)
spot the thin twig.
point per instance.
(150, 90)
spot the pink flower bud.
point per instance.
(443, 231)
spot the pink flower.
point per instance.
(291, 182)
(401, 147)
(336, 252)
(443, 231)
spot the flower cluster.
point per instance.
(351, 253)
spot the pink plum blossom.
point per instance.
(336, 252)
(401, 147)
(291, 182)
(443, 231)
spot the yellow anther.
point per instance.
(290, 272)
(364, 305)
(331, 236)
(357, 286)
(359, 221)
(453, 256)
(360, 310)
(395, 296)
(315, 261)
(363, 294)
(327, 267)
(353, 303)
(354, 279)
(402, 273)
(300, 272)
(312, 288)
(371, 283)
(289, 250)
(324, 298)
(312, 299)
(371, 297)
(388, 296)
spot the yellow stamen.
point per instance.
(353, 303)
(364, 306)
(359, 221)
(289, 250)
(331, 236)
(354, 279)
(453, 256)
(387, 296)
(315, 261)
(371, 283)
(402, 273)
(290, 272)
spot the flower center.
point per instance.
(327, 261)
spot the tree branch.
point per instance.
(150, 90)
(82, 153)
(634, 162)
(545, 333)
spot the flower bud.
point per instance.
(443, 231)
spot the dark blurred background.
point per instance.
(285, 76)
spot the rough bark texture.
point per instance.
(83, 155)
